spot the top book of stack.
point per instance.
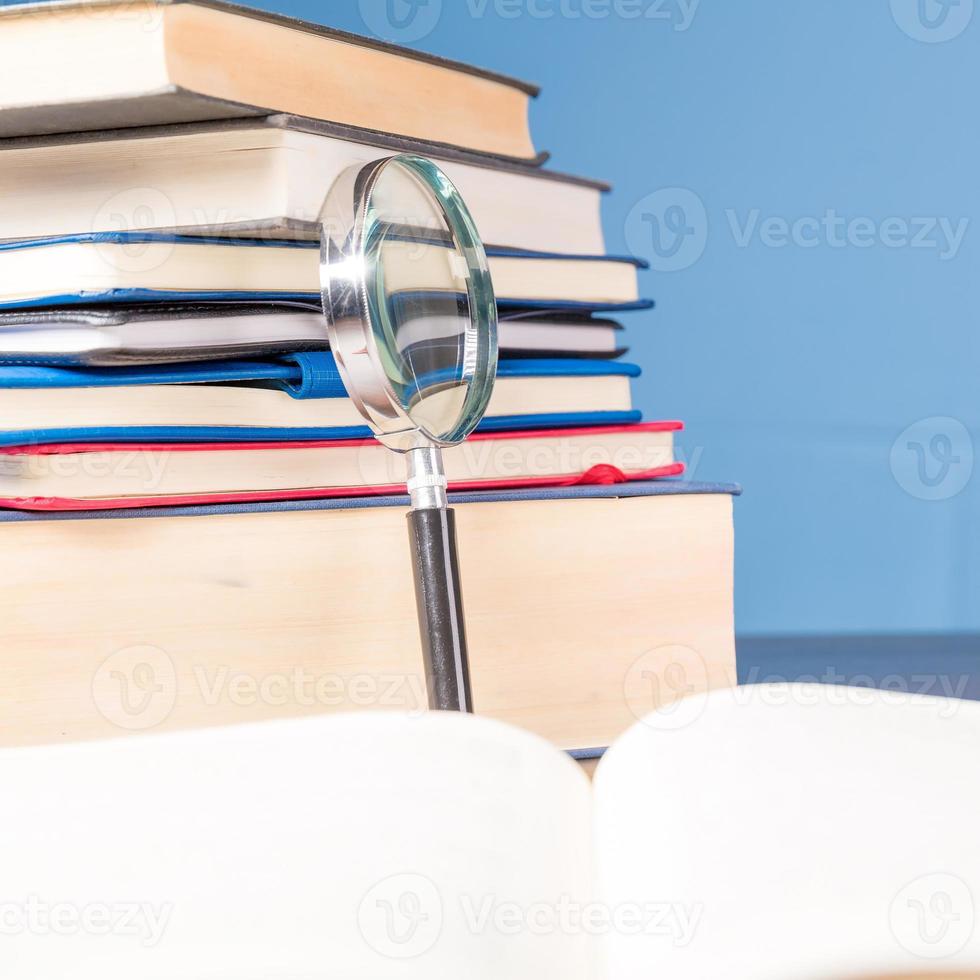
(80, 66)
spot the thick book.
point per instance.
(128, 267)
(162, 333)
(265, 178)
(296, 397)
(104, 476)
(573, 598)
(768, 833)
(105, 65)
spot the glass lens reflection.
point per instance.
(428, 295)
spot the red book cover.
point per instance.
(597, 475)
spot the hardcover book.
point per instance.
(125, 267)
(295, 397)
(106, 65)
(265, 178)
(98, 477)
(122, 334)
(573, 596)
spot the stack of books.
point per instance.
(193, 510)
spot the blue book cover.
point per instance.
(302, 376)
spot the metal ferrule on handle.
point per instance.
(427, 484)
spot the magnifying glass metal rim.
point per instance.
(345, 281)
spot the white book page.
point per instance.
(794, 832)
(356, 847)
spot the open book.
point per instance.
(725, 836)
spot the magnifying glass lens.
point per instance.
(429, 299)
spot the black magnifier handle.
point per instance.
(442, 626)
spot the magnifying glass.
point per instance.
(412, 321)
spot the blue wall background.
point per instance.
(798, 367)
